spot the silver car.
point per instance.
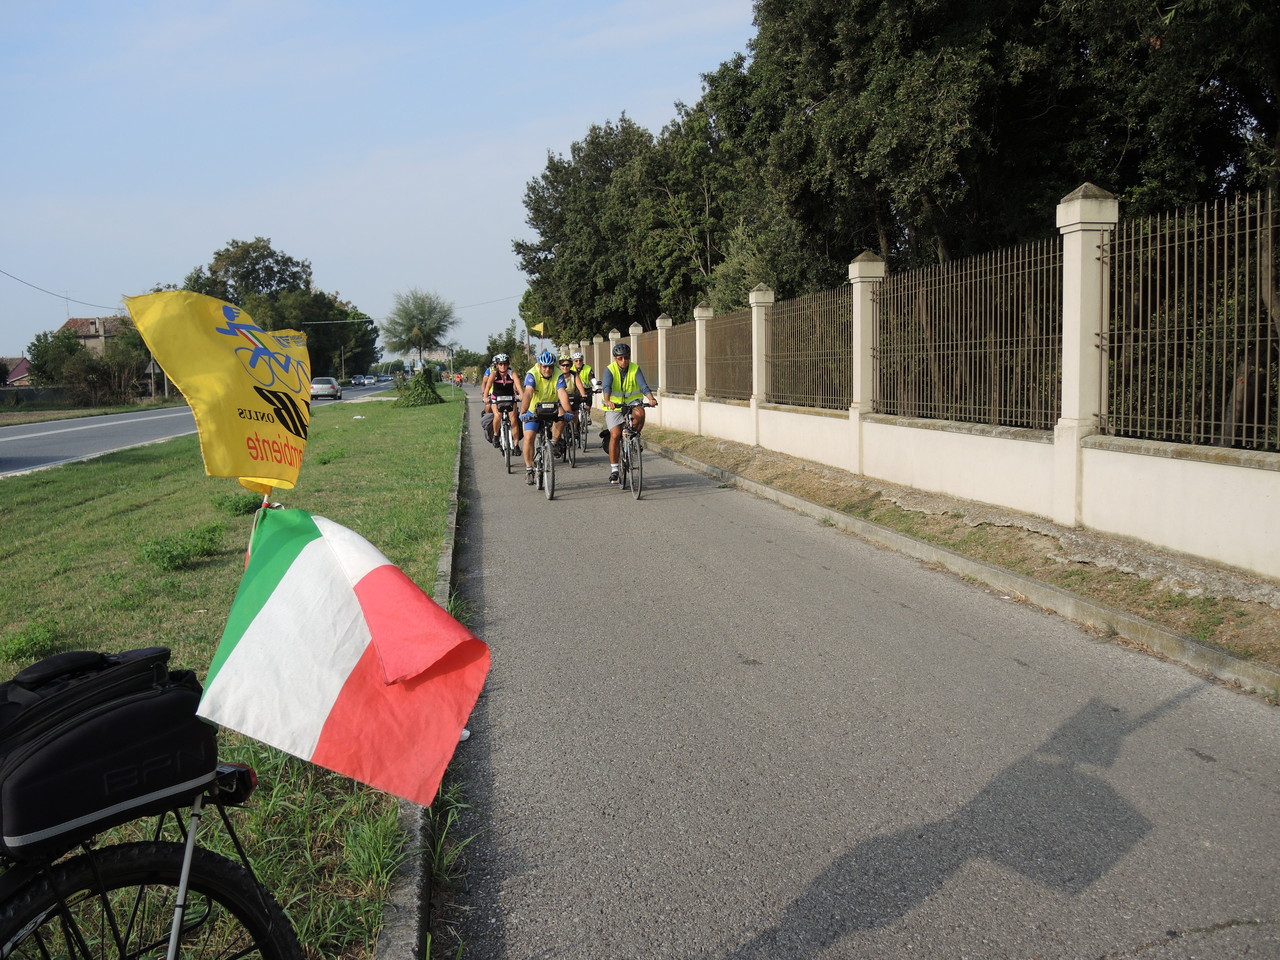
(326, 387)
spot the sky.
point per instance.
(388, 143)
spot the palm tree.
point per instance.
(419, 321)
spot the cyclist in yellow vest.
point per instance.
(542, 384)
(623, 382)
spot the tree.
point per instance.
(419, 321)
(50, 353)
(240, 270)
(509, 343)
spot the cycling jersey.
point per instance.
(501, 387)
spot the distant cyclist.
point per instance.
(542, 384)
(623, 382)
(500, 387)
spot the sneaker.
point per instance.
(528, 476)
(613, 476)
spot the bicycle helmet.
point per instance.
(621, 349)
(502, 358)
(576, 356)
(547, 359)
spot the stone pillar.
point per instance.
(866, 275)
(1085, 219)
(701, 314)
(634, 331)
(597, 364)
(663, 325)
(761, 302)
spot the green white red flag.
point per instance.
(331, 653)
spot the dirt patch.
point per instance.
(1229, 609)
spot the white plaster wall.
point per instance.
(1222, 512)
(821, 437)
(998, 470)
(678, 413)
(729, 421)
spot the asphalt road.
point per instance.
(715, 729)
(35, 446)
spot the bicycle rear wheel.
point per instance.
(117, 903)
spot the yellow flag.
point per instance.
(537, 327)
(249, 388)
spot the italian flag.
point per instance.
(331, 653)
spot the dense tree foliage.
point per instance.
(919, 129)
(49, 354)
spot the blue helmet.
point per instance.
(547, 358)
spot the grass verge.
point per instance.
(141, 548)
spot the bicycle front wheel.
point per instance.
(507, 443)
(117, 903)
(637, 466)
(549, 470)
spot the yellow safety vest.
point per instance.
(622, 387)
(545, 389)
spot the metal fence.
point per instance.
(977, 340)
(729, 356)
(647, 356)
(682, 359)
(809, 357)
(1192, 352)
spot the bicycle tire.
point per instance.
(228, 913)
(637, 467)
(549, 468)
(571, 444)
(506, 442)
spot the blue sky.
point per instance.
(388, 143)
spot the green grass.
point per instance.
(141, 548)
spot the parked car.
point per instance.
(326, 387)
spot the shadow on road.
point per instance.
(1044, 817)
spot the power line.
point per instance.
(60, 296)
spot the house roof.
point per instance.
(19, 367)
(94, 326)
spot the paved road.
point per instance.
(716, 730)
(34, 446)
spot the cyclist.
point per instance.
(579, 391)
(486, 410)
(542, 384)
(500, 387)
(587, 377)
(623, 382)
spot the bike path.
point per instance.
(715, 728)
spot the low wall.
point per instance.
(1219, 504)
(1000, 465)
(1216, 504)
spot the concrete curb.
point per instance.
(404, 920)
(1254, 677)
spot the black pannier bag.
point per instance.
(92, 740)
